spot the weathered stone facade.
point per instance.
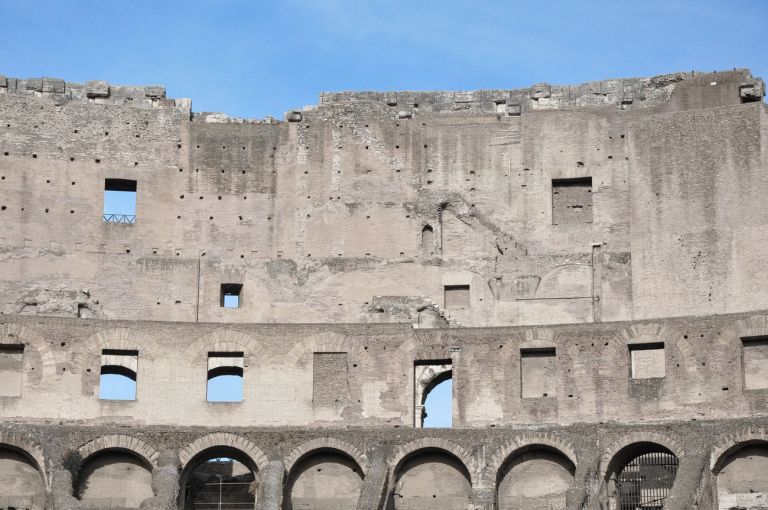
(585, 263)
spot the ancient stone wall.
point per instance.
(590, 207)
(717, 465)
(373, 374)
(610, 232)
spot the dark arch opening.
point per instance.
(641, 475)
(114, 478)
(535, 476)
(742, 475)
(222, 371)
(428, 240)
(324, 479)
(431, 478)
(220, 474)
(118, 370)
(21, 480)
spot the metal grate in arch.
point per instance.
(645, 482)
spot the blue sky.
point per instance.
(256, 58)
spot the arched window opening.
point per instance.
(220, 478)
(119, 369)
(225, 377)
(21, 484)
(537, 477)
(433, 399)
(431, 479)
(641, 476)
(742, 479)
(428, 240)
(324, 480)
(114, 479)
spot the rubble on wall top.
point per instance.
(624, 93)
(223, 118)
(96, 91)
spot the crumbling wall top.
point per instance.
(624, 93)
(60, 91)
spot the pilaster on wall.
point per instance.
(271, 489)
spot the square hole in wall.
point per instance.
(120, 201)
(225, 377)
(647, 361)
(119, 370)
(572, 201)
(754, 353)
(11, 369)
(231, 295)
(538, 373)
(457, 297)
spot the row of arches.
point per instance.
(435, 475)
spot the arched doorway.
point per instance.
(641, 475)
(219, 478)
(21, 484)
(536, 477)
(431, 478)
(324, 480)
(742, 478)
(114, 479)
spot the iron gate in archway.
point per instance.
(644, 482)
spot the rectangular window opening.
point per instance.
(433, 393)
(457, 297)
(11, 369)
(225, 377)
(647, 361)
(572, 201)
(118, 377)
(754, 354)
(230, 295)
(119, 201)
(538, 373)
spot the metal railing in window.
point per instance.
(645, 482)
(120, 218)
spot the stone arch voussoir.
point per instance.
(120, 442)
(119, 338)
(756, 325)
(326, 342)
(16, 334)
(407, 450)
(239, 443)
(24, 443)
(510, 448)
(224, 340)
(726, 358)
(539, 338)
(324, 444)
(731, 443)
(638, 437)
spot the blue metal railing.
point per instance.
(120, 218)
